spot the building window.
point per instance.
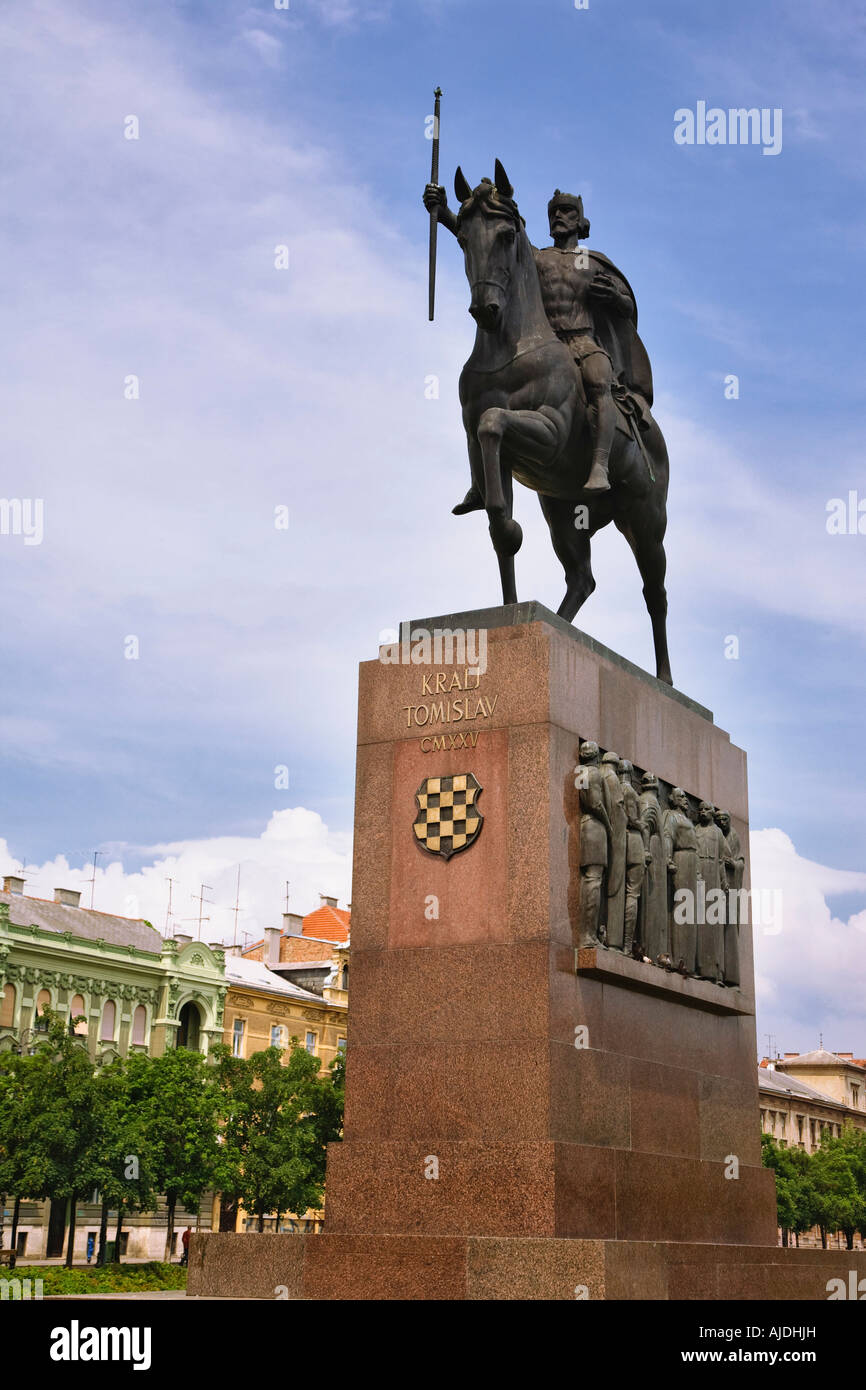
(76, 1010)
(108, 1017)
(43, 1002)
(279, 1035)
(341, 1044)
(139, 1024)
(310, 1044)
(7, 1006)
(238, 1037)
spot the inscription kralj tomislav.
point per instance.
(659, 881)
(557, 392)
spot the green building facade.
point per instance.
(130, 990)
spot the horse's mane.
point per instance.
(488, 199)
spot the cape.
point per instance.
(619, 337)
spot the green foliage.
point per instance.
(84, 1279)
(795, 1195)
(180, 1107)
(48, 1124)
(126, 1167)
(826, 1188)
(172, 1125)
(839, 1169)
(278, 1121)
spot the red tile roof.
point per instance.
(327, 923)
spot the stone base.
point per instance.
(424, 1268)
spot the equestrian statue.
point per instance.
(557, 392)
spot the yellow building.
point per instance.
(804, 1096)
(265, 1008)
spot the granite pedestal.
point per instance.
(524, 1118)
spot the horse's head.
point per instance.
(490, 231)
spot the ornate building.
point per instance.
(129, 989)
(132, 990)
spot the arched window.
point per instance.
(76, 1008)
(43, 1001)
(7, 1006)
(108, 1016)
(139, 1023)
(189, 1030)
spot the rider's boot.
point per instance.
(472, 502)
(605, 428)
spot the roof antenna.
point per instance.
(237, 907)
(170, 882)
(96, 854)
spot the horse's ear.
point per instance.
(501, 180)
(461, 187)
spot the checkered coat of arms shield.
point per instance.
(448, 818)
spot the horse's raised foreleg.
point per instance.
(505, 533)
(572, 546)
(528, 433)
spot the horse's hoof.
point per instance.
(506, 535)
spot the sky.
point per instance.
(168, 390)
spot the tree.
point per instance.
(277, 1122)
(181, 1107)
(125, 1171)
(52, 1100)
(839, 1171)
(11, 1142)
(795, 1195)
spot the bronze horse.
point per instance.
(525, 415)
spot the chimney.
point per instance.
(293, 924)
(271, 953)
(183, 938)
(67, 896)
(328, 902)
(13, 885)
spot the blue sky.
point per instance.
(155, 257)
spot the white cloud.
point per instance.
(811, 975)
(295, 845)
(269, 48)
